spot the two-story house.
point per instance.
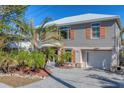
(93, 39)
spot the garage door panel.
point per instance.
(99, 59)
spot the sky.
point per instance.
(38, 13)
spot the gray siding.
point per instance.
(81, 41)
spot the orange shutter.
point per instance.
(102, 31)
(73, 56)
(72, 34)
(88, 31)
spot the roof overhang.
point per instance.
(83, 21)
(87, 21)
(67, 21)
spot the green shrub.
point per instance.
(34, 60)
(8, 61)
(63, 57)
(13, 54)
(23, 57)
(8, 64)
(3, 55)
(1, 61)
(50, 53)
(39, 59)
(67, 56)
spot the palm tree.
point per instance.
(26, 30)
(48, 34)
(45, 34)
(3, 26)
(7, 14)
(5, 36)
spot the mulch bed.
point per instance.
(43, 73)
(40, 73)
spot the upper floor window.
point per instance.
(96, 31)
(65, 32)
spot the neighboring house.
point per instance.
(22, 45)
(14, 41)
(93, 39)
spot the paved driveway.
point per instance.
(73, 78)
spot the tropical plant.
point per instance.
(22, 57)
(60, 60)
(45, 34)
(27, 30)
(67, 56)
(8, 13)
(33, 60)
(3, 39)
(2, 56)
(38, 59)
(50, 54)
(8, 64)
(48, 33)
(11, 10)
(63, 57)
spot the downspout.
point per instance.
(114, 52)
(116, 42)
(118, 38)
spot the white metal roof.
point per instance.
(90, 17)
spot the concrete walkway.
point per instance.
(2, 85)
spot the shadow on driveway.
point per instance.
(60, 81)
(104, 80)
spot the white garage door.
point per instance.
(99, 59)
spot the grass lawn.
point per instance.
(15, 81)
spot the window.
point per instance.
(65, 32)
(96, 31)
